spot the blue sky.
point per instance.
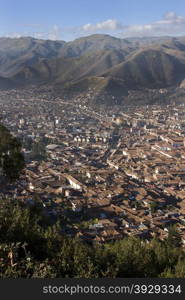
(69, 19)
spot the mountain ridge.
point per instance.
(108, 64)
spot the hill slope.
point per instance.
(20, 52)
(150, 68)
(105, 64)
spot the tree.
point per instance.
(11, 159)
(180, 269)
(38, 151)
(31, 248)
(153, 207)
(173, 238)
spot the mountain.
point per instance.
(100, 63)
(63, 70)
(6, 83)
(150, 68)
(96, 42)
(16, 53)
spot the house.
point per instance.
(76, 185)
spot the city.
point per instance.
(105, 174)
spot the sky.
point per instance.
(71, 19)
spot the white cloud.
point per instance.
(39, 32)
(108, 25)
(39, 35)
(170, 24)
(13, 35)
(54, 33)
